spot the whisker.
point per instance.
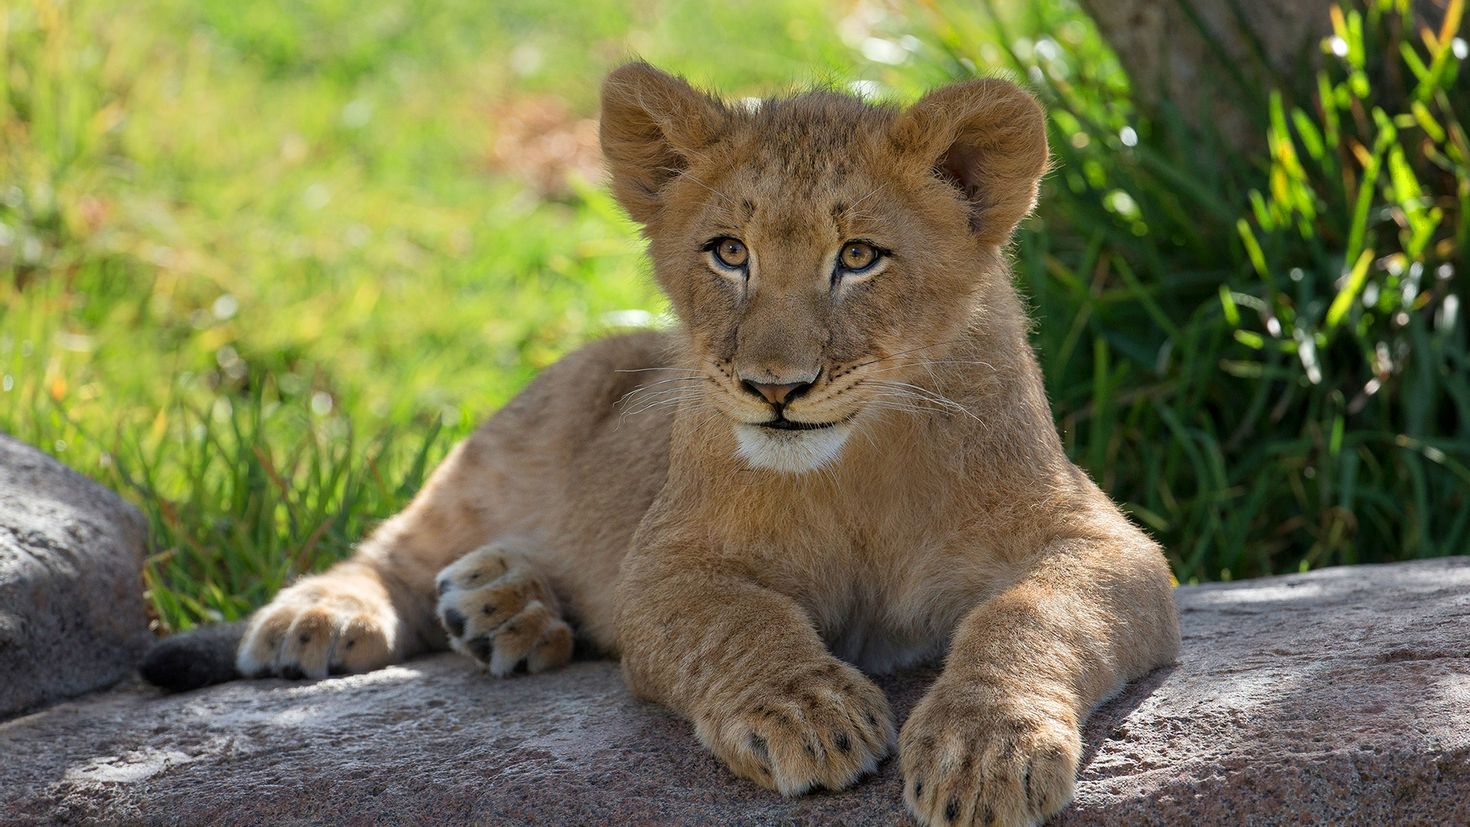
(648, 385)
(649, 388)
(934, 396)
(894, 405)
(917, 393)
(906, 398)
(903, 353)
(657, 392)
(929, 362)
(899, 407)
(656, 398)
(674, 402)
(859, 202)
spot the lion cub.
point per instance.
(842, 462)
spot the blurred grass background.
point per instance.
(261, 263)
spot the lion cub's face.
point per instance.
(819, 250)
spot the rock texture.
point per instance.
(71, 588)
(1341, 696)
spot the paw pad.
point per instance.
(497, 609)
(454, 622)
(334, 623)
(986, 763)
(810, 728)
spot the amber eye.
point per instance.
(858, 256)
(730, 252)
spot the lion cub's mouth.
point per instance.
(784, 424)
(781, 423)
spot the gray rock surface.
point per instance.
(71, 587)
(1341, 696)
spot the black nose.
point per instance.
(776, 394)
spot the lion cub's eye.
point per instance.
(858, 257)
(730, 253)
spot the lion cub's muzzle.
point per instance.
(765, 387)
(782, 442)
(779, 395)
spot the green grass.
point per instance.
(1264, 355)
(260, 263)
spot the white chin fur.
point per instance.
(790, 452)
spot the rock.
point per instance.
(1332, 697)
(71, 581)
(1341, 696)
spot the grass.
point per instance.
(261, 263)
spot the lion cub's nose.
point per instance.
(777, 394)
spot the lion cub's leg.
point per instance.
(333, 623)
(377, 608)
(499, 609)
(997, 739)
(746, 666)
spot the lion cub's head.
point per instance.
(809, 242)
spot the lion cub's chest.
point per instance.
(883, 624)
(881, 599)
(874, 644)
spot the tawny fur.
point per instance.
(947, 521)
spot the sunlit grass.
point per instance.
(261, 264)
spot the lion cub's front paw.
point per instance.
(968, 759)
(499, 610)
(820, 725)
(334, 623)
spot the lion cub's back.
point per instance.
(592, 399)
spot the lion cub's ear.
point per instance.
(988, 138)
(652, 125)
